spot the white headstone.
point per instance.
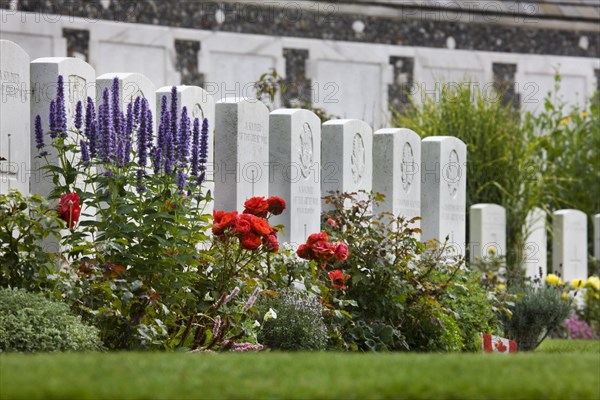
(569, 247)
(597, 238)
(132, 85)
(294, 173)
(79, 81)
(487, 231)
(241, 152)
(444, 190)
(535, 251)
(346, 157)
(200, 104)
(397, 172)
(15, 127)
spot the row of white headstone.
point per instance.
(257, 153)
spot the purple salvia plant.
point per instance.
(85, 153)
(149, 124)
(116, 104)
(78, 115)
(106, 133)
(136, 109)
(129, 128)
(142, 136)
(203, 156)
(253, 296)
(92, 137)
(183, 141)
(157, 159)
(39, 136)
(181, 180)
(174, 112)
(61, 111)
(90, 115)
(52, 119)
(195, 147)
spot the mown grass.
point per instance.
(558, 370)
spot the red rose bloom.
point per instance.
(241, 226)
(276, 205)
(317, 237)
(331, 222)
(272, 244)
(217, 216)
(324, 250)
(69, 209)
(304, 251)
(225, 222)
(256, 206)
(250, 241)
(341, 251)
(338, 279)
(260, 226)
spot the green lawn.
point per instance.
(559, 370)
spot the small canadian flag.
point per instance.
(497, 344)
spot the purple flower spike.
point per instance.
(39, 133)
(174, 113)
(203, 156)
(195, 146)
(157, 160)
(79, 115)
(116, 103)
(142, 138)
(90, 115)
(85, 153)
(183, 142)
(136, 109)
(52, 119)
(181, 180)
(140, 186)
(61, 111)
(93, 135)
(106, 132)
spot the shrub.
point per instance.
(30, 322)
(295, 323)
(26, 221)
(537, 311)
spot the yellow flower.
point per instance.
(492, 250)
(594, 282)
(564, 121)
(565, 296)
(584, 114)
(553, 279)
(577, 283)
(501, 286)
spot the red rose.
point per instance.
(304, 251)
(324, 250)
(217, 216)
(241, 226)
(331, 222)
(250, 241)
(317, 237)
(276, 205)
(225, 222)
(69, 209)
(341, 251)
(256, 206)
(338, 279)
(272, 244)
(260, 226)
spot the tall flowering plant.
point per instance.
(134, 201)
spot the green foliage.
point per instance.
(298, 326)
(397, 297)
(497, 173)
(30, 322)
(537, 311)
(25, 223)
